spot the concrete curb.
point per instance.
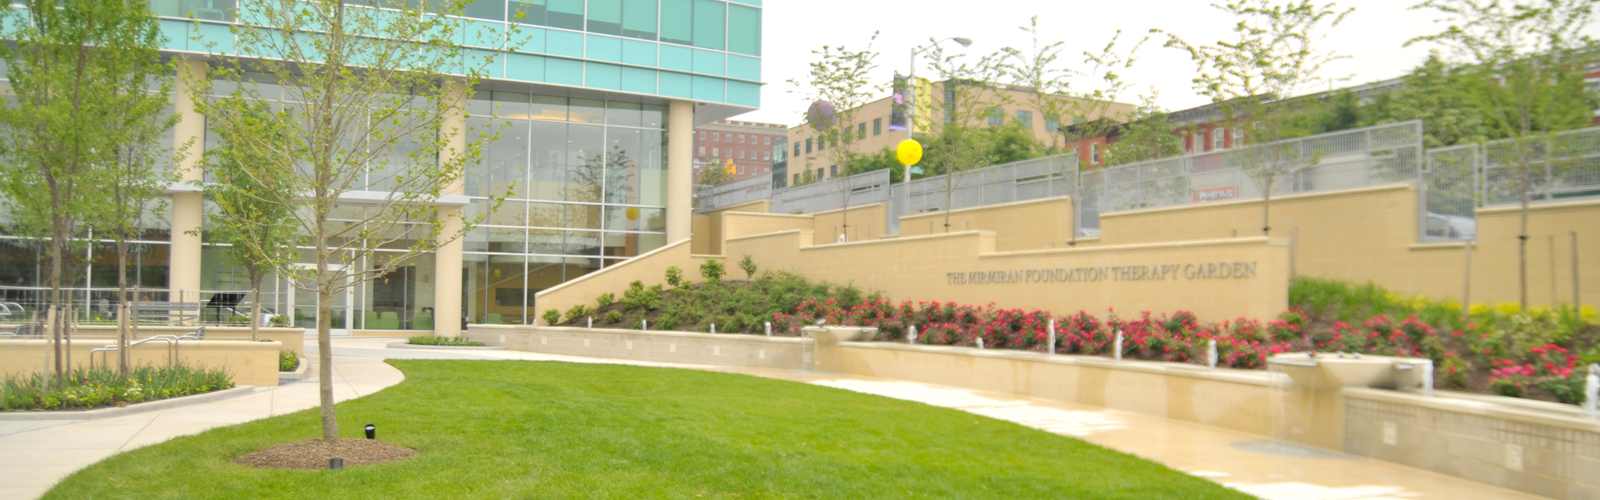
(403, 345)
(128, 410)
(299, 373)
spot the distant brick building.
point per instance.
(748, 144)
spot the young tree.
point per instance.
(838, 84)
(1072, 114)
(1146, 136)
(250, 206)
(365, 100)
(962, 139)
(1275, 56)
(1529, 58)
(79, 73)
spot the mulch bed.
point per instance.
(313, 454)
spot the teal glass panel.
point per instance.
(744, 94)
(484, 34)
(748, 68)
(563, 71)
(605, 16)
(493, 64)
(529, 40)
(494, 10)
(604, 48)
(532, 11)
(177, 33)
(565, 14)
(602, 76)
(214, 38)
(756, 3)
(710, 23)
(744, 30)
(639, 80)
(708, 89)
(708, 62)
(679, 58)
(676, 85)
(677, 21)
(640, 53)
(639, 19)
(563, 43)
(525, 67)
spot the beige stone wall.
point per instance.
(1024, 225)
(293, 339)
(1371, 234)
(708, 228)
(789, 353)
(251, 363)
(917, 268)
(1540, 448)
(866, 223)
(650, 268)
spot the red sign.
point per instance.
(1214, 194)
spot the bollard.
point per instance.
(372, 431)
(912, 338)
(1591, 391)
(591, 321)
(1211, 354)
(1427, 379)
(1119, 345)
(769, 328)
(1052, 350)
(980, 343)
(336, 463)
(644, 324)
(713, 328)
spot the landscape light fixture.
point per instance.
(336, 463)
(372, 431)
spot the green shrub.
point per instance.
(576, 312)
(604, 300)
(279, 321)
(675, 277)
(443, 341)
(237, 321)
(102, 386)
(552, 317)
(288, 361)
(614, 316)
(712, 270)
(748, 265)
(639, 298)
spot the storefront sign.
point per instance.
(1214, 194)
(1159, 272)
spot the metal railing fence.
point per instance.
(1032, 179)
(734, 193)
(865, 189)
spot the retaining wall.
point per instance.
(789, 353)
(251, 363)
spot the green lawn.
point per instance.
(513, 429)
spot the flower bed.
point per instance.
(102, 386)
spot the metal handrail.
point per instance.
(172, 349)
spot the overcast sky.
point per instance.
(1373, 36)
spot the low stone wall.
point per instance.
(666, 347)
(1547, 449)
(1241, 400)
(293, 339)
(251, 363)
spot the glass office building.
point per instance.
(585, 97)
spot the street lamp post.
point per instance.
(911, 110)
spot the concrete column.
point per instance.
(680, 169)
(447, 258)
(188, 210)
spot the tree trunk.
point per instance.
(1266, 209)
(122, 299)
(1522, 243)
(949, 195)
(330, 425)
(57, 249)
(255, 307)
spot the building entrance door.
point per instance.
(302, 302)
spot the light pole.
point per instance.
(911, 109)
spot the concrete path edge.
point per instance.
(161, 404)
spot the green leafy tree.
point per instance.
(1530, 58)
(842, 79)
(1438, 93)
(1146, 136)
(371, 100)
(81, 120)
(250, 205)
(962, 139)
(1276, 55)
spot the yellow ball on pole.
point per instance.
(908, 152)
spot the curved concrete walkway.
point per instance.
(47, 451)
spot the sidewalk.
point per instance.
(50, 450)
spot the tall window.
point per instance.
(768, 140)
(1025, 117)
(766, 156)
(716, 152)
(797, 179)
(797, 149)
(741, 154)
(702, 150)
(741, 138)
(877, 127)
(702, 135)
(1216, 139)
(716, 136)
(861, 130)
(1094, 153)
(1052, 124)
(808, 146)
(833, 170)
(997, 116)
